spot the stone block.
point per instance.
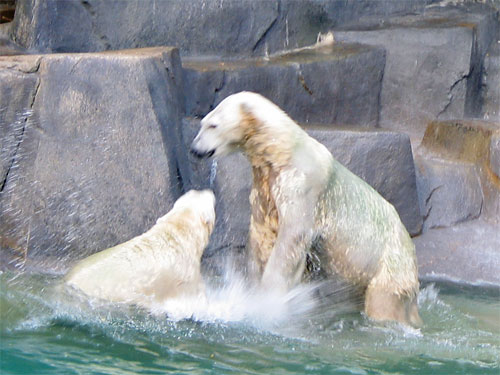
(495, 153)
(491, 83)
(196, 27)
(95, 165)
(465, 253)
(469, 141)
(465, 140)
(299, 22)
(17, 90)
(332, 84)
(491, 181)
(449, 192)
(434, 63)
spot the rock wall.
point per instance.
(434, 63)
(196, 27)
(90, 159)
(320, 85)
(94, 142)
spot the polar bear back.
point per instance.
(161, 263)
(354, 218)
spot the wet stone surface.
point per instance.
(434, 63)
(197, 27)
(450, 192)
(338, 84)
(95, 164)
(466, 253)
(17, 92)
(94, 148)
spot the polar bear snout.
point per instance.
(201, 154)
(220, 134)
(200, 147)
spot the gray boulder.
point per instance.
(465, 253)
(299, 22)
(95, 164)
(197, 27)
(491, 82)
(434, 63)
(17, 90)
(449, 192)
(337, 84)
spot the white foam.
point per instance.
(236, 302)
(428, 296)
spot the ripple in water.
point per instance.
(49, 329)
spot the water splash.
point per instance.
(213, 173)
(428, 296)
(46, 324)
(233, 300)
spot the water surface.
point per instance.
(47, 329)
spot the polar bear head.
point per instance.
(201, 203)
(233, 121)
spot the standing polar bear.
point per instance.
(162, 263)
(303, 201)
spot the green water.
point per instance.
(47, 330)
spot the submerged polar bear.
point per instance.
(162, 263)
(303, 201)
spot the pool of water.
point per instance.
(48, 329)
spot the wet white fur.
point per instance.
(160, 264)
(357, 233)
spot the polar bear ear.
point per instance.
(245, 108)
(248, 121)
(209, 220)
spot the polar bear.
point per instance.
(305, 202)
(162, 263)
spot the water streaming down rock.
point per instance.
(213, 172)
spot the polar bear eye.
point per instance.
(212, 126)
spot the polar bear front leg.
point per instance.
(286, 265)
(287, 261)
(384, 305)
